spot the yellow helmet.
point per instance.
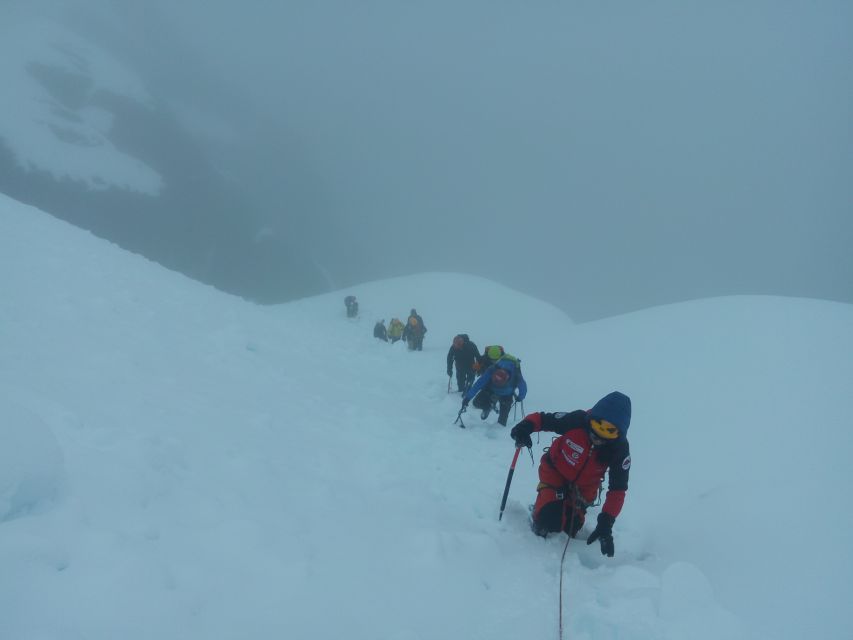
(604, 429)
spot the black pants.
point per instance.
(416, 343)
(464, 378)
(556, 516)
(484, 400)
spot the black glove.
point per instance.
(603, 533)
(521, 434)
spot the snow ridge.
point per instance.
(178, 463)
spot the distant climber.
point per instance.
(414, 332)
(352, 306)
(379, 331)
(395, 330)
(464, 353)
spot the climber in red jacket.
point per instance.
(590, 444)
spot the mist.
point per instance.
(604, 157)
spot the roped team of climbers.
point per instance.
(590, 444)
(412, 332)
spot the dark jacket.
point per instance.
(465, 356)
(380, 332)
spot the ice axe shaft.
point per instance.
(508, 481)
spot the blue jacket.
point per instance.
(516, 380)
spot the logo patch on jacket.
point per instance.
(574, 445)
(626, 463)
(568, 459)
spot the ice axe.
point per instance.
(509, 480)
(459, 417)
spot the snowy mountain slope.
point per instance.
(52, 116)
(89, 134)
(177, 463)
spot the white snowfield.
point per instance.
(176, 463)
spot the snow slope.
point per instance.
(52, 113)
(178, 463)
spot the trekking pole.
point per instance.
(449, 378)
(515, 407)
(508, 481)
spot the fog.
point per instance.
(604, 157)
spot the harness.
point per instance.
(570, 489)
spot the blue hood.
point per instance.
(615, 407)
(508, 365)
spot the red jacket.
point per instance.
(579, 461)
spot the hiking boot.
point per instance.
(485, 414)
(536, 529)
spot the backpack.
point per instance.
(510, 358)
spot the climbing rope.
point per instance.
(563, 557)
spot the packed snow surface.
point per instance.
(177, 463)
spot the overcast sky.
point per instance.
(603, 156)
